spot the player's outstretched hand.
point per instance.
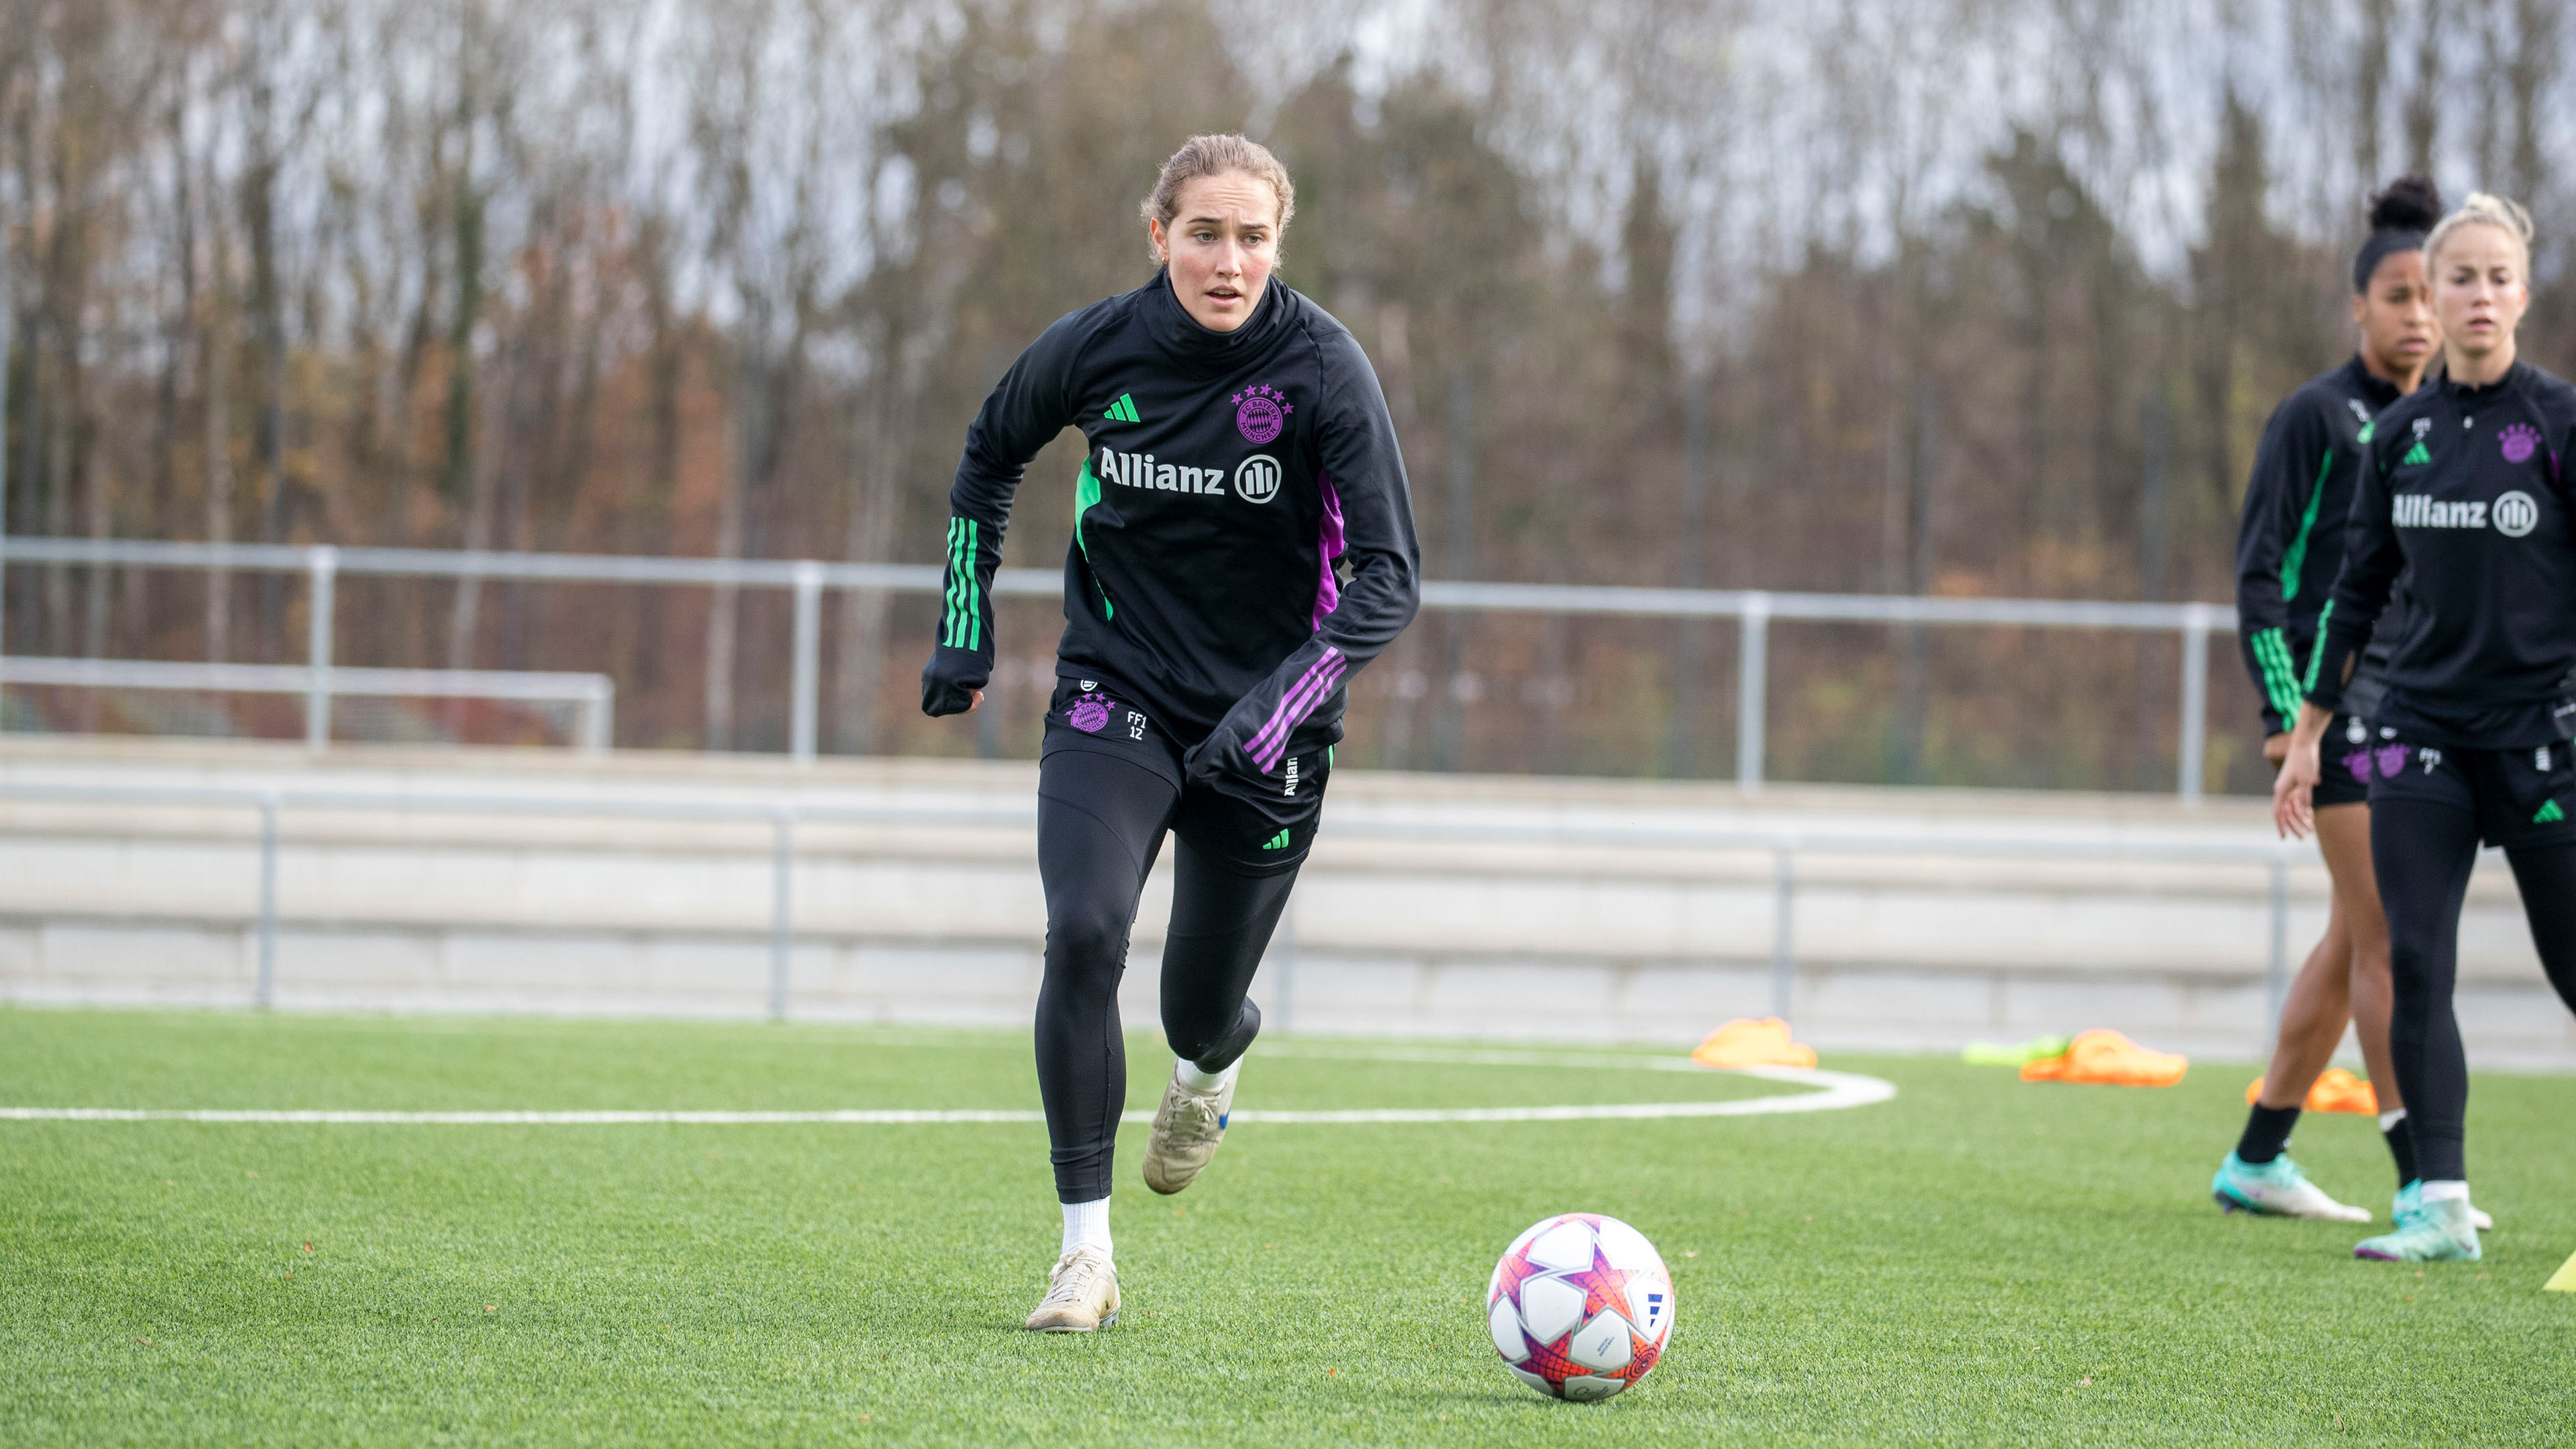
(953, 681)
(2294, 811)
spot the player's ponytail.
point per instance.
(2399, 218)
(2481, 209)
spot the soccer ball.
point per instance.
(1580, 1307)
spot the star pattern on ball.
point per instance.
(1602, 1337)
(1517, 1270)
(1605, 1289)
(1549, 1361)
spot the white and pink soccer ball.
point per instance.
(1580, 1307)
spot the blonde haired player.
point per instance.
(2464, 491)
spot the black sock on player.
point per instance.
(2267, 1134)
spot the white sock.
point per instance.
(2391, 1119)
(1086, 1225)
(2451, 1190)
(1202, 1082)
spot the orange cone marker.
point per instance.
(2335, 1091)
(1745, 1042)
(2107, 1057)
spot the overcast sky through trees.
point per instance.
(1970, 296)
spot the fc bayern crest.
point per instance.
(2519, 442)
(1260, 413)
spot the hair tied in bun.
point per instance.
(2411, 203)
(2399, 217)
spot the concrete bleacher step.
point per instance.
(1433, 905)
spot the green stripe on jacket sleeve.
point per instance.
(949, 593)
(2317, 655)
(2280, 683)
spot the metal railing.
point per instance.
(782, 816)
(592, 696)
(806, 579)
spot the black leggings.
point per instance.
(2422, 853)
(1101, 821)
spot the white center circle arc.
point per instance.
(1839, 1090)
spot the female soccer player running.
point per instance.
(2463, 491)
(2288, 549)
(1242, 541)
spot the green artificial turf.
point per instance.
(1979, 1261)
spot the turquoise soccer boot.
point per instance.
(2433, 1232)
(2411, 1196)
(2277, 1189)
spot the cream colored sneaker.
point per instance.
(1187, 1128)
(1082, 1294)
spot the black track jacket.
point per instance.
(1229, 474)
(2290, 542)
(2463, 491)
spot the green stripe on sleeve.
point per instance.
(948, 594)
(948, 620)
(2317, 655)
(2296, 555)
(2280, 685)
(960, 623)
(967, 560)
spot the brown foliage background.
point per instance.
(1971, 297)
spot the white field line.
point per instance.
(1840, 1090)
(1480, 1057)
(499, 1119)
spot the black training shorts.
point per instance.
(2344, 762)
(1254, 828)
(2520, 797)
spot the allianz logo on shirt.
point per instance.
(1256, 479)
(2513, 514)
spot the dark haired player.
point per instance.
(2288, 549)
(1242, 541)
(2463, 491)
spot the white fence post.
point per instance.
(804, 702)
(322, 563)
(595, 727)
(2195, 701)
(1752, 676)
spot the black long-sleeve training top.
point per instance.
(2289, 545)
(2463, 492)
(1243, 534)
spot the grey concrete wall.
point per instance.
(1519, 914)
